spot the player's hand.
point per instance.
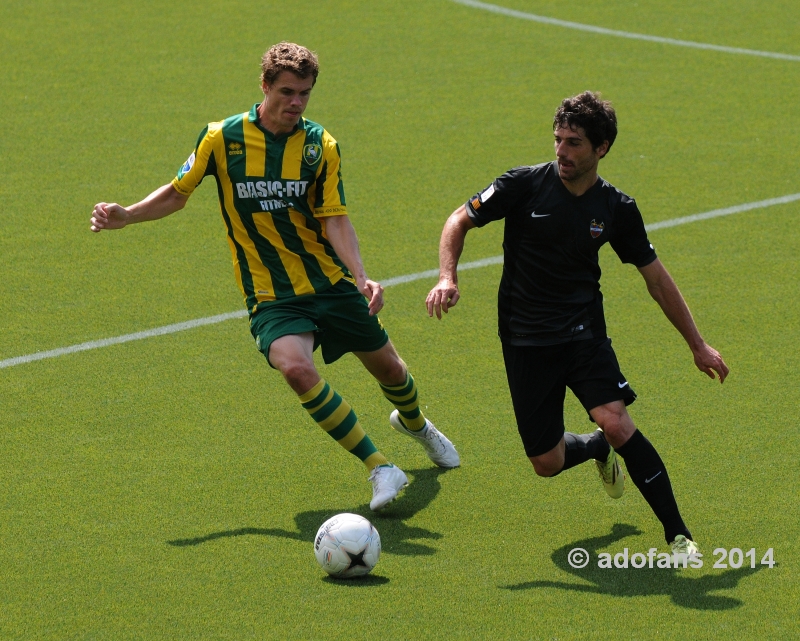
(374, 293)
(709, 360)
(441, 298)
(108, 216)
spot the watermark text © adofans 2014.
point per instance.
(734, 558)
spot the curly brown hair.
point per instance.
(587, 110)
(288, 56)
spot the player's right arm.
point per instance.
(161, 203)
(500, 197)
(170, 198)
(445, 295)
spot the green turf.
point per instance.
(170, 488)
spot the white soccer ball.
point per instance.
(347, 546)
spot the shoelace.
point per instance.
(610, 477)
(682, 547)
(379, 479)
(434, 439)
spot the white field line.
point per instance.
(621, 34)
(408, 278)
(105, 342)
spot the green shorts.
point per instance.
(338, 316)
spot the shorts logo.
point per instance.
(312, 154)
(187, 166)
(235, 149)
(595, 228)
(258, 343)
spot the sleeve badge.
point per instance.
(187, 166)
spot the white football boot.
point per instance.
(387, 481)
(683, 551)
(437, 446)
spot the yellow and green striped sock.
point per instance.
(337, 418)
(404, 398)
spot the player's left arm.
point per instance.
(666, 293)
(342, 237)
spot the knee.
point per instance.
(548, 464)
(398, 372)
(545, 470)
(610, 424)
(617, 427)
(300, 375)
(394, 372)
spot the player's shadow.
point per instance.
(396, 536)
(679, 584)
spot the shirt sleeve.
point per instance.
(200, 163)
(329, 188)
(499, 198)
(629, 239)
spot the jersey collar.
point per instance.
(597, 184)
(253, 118)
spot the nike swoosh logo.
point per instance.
(621, 385)
(650, 479)
(535, 215)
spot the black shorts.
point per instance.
(538, 377)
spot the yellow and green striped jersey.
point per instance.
(274, 195)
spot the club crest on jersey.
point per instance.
(312, 154)
(187, 166)
(595, 228)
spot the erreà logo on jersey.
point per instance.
(312, 154)
(235, 149)
(595, 228)
(186, 167)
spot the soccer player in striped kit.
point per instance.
(296, 258)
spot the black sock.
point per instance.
(649, 474)
(582, 447)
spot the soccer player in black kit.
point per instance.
(557, 217)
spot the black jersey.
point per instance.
(550, 289)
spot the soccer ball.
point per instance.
(347, 546)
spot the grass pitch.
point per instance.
(170, 488)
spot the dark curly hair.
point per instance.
(287, 56)
(588, 111)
